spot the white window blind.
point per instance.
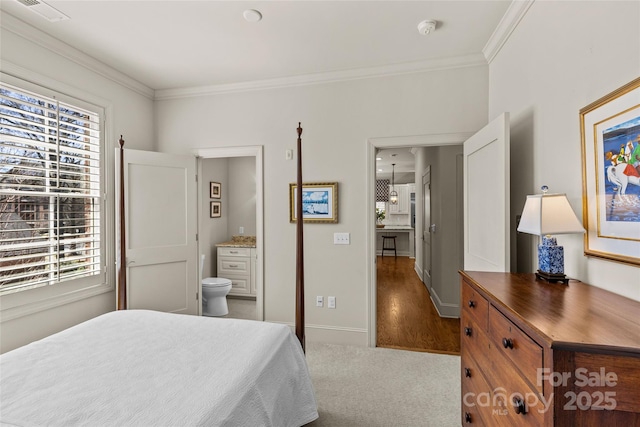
(50, 206)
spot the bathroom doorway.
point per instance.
(233, 218)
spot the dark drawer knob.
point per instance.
(518, 404)
(467, 418)
(467, 372)
(472, 303)
(467, 331)
(507, 343)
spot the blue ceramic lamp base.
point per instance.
(551, 261)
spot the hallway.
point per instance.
(406, 318)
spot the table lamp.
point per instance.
(543, 215)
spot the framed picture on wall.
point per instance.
(610, 130)
(216, 209)
(319, 202)
(215, 190)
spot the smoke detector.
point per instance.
(252, 15)
(427, 26)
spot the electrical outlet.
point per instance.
(319, 301)
(341, 239)
(241, 230)
(331, 302)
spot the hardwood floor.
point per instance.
(406, 317)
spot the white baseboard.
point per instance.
(333, 334)
(445, 309)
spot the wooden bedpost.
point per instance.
(299, 249)
(122, 272)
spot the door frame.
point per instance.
(373, 144)
(244, 151)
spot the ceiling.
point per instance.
(404, 160)
(167, 44)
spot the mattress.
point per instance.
(146, 368)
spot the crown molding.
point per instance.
(331, 77)
(26, 31)
(512, 17)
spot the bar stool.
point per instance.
(389, 244)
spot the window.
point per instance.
(50, 191)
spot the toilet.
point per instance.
(214, 294)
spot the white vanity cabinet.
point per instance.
(238, 265)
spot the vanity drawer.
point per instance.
(231, 251)
(475, 305)
(231, 265)
(524, 353)
(239, 286)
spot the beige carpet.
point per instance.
(379, 387)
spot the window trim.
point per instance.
(30, 301)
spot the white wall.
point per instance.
(337, 119)
(213, 230)
(238, 201)
(128, 113)
(241, 196)
(561, 57)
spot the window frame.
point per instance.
(28, 301)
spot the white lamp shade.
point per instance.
(549, 214)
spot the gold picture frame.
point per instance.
(610, 134)
(319, 202)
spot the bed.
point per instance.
(147, 368)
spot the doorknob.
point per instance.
(432, 228)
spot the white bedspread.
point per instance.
(146, 368)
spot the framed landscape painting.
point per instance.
(610, 130)
(319, 202)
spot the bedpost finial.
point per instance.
(299, 129)
(121, 141)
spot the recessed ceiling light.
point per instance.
(252, 15)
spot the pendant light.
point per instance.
(393, 196)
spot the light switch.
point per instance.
(341, 239)
(331, 302)
(288, 154)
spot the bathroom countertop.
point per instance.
(239, 242)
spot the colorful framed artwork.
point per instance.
(610, 131)
(215, 190)
(319, 202)
(216, 210)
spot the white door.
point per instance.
(160, 231)
(426, 228)
(486, 198)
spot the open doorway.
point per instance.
(231, 230)
(375, 262)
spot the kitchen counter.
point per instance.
(395, 227)
(405, 243)
(239, 242)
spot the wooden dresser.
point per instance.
(547, 354)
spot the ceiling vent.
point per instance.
(41, 8)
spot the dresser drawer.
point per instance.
(231, 251)
(475, 305)
(523, 352)
(476, 407)
(507, 388)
